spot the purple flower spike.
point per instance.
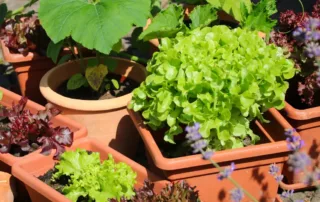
(289, 132)
(207, 155)
(278, 178)
(312, 50)
(198, 146)
(193, 132)
(298, 161)
(273, 169)
(236, 195)
(287, 194)
(226, 172)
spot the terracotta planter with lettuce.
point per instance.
(7, 160)
(28, 171)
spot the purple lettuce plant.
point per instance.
(20, 128)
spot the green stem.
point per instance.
(132, 57)
(233, 181)
(21, 9)
(81, 57)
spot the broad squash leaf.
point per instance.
(166, 24)
(76, 81)
(95, 75)
(202, 16)
(96, 24)
(53, 50)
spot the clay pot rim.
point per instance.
(271, 148)
(296, 186)
(10, 159)
(85, 105)
(301, 114)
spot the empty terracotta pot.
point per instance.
(29, 169)
(252, 162)
(7, 187)
(107, 120)
(307, 123)
(7, 160)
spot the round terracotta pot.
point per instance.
(106, 120)
(7, 187)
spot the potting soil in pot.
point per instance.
(303, 196)
(86, 93)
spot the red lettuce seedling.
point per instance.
(29, 131)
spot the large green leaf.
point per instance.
(53, 50)
(95, 24)
(166, 24)
(202, 16)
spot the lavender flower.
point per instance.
(312, 50)
(273, 170)
(287, 194)
(226, 172)
(198, 146)
(294, 142)
(193, 132)
(236, 195)
(298, 161)
(278, 178)
(207, 155)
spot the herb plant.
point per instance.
(91, 179)
(219, 77)
(93, 24)
(251, 16)
(20, 128)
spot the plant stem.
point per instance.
(233, 181)
(21, 9)
(132, 57)
(81, 57)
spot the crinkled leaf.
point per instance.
(95, 75)
(53, 50)
(166, 24)
(94, 24)
(202, 16)
(76, 81)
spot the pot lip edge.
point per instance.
(85, 105)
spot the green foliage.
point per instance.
(76, 81)
(170, 21)
(259, 18)
(192, 2)
(53, 50)
(3, 12)
(98, 181)
(95, 25)
(218, 77)
(115, 83)
(95, 75)
(166, 24)
(233, 7)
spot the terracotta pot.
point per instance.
(7, 187)
(29, 70)
(252, 162)
(278, 198)
(307, 123)
(7, 160)
(29, 169)
(107, 120)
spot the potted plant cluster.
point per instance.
(89, 171)
(27, 128)
(298, 35)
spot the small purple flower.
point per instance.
(273, 169)
(226, 172)
(236, 195)
(289, 132)
(207, 155)
(278, 178)
(198, 146)
(299, 34)
(298, 161)
(193, 132)
(287, 194)
(313, 23)
(312, 50)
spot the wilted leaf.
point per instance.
(95, 75)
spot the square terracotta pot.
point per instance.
(29, 169)
(7, 160)
(252, 162)
(307, 123)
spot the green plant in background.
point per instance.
(96, 25)
(254, 17)
(218, 77)
(191, 2)
(95, 180)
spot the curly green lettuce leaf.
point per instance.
(90, 178)
(219, 77)
(259, 19)
(166, 24)
(97, 24)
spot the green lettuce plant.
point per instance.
(218, 77)
(93, 24)
(95, 180)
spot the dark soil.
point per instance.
(86, 93)
(304, 196)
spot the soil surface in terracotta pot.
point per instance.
(126, 85)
